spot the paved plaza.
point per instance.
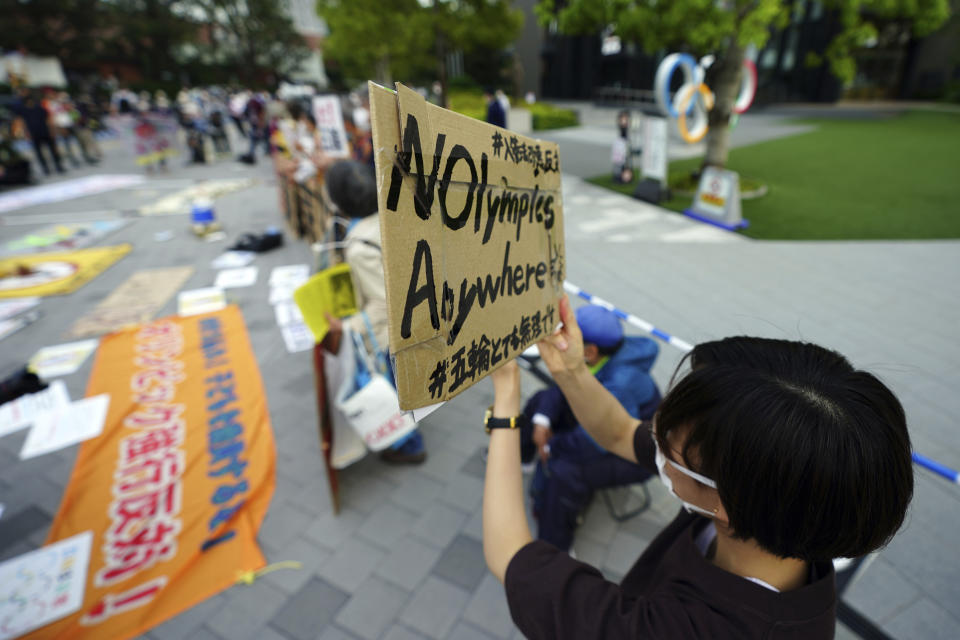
(403, 559)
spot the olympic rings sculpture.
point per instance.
(693, 101)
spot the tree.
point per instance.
(66, 29)
(255, 36)
(385, 39)
(726, 28)
(379, 39)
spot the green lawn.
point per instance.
(895, 178)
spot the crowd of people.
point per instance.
(58, 128)
(52, 128)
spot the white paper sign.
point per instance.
(76, 422)
(333, 136)
(280, 294)
(654, 159)
(232, 278)
(22, 412)
(66, 426)
(287, 313)
(291, 275)
(62, 359)
(42, 586)
(718, 199)
(233, 259)
(197, 301)
(297, 337)
(16, 306)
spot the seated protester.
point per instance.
(572, 465)
(353, 189)
(773, 448)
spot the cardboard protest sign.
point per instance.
(471, 219)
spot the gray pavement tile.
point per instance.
(283, 524)
(313, 497)
(247, 610)
(300, 550)
(19, 525)
(435, 608)
(463, 492)
(399, 632)
(351, 564)
(443, 464)
(439, 525)
(462, 563)
(488, 609)
(333, 632)
(844, 633)
(622, 552)
(363, 493)
(474, 526)
(465, 631)
(923, 619)
(881, 590)
(409, 563)
(372, 608)
(305, 614)
(475, 466)
(188, 623)
(330, 531)
(386, 525)
(417, 491)
(203, 633)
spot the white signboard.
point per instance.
(718, 199)
(654, 158)
(68, 425)
(42, 586)
(333, 136)
(23, 411)
(62, 359)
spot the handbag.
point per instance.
(372, 408)
(339, 374)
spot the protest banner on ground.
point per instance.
(176, 486)
(50, 274)
(135, 301)
(63, 237)
(471, 219)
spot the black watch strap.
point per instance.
(489, 422)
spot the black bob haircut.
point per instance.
(353, 188)
(811, 457)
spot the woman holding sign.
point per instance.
(775, 450)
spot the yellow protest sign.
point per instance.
(471, 219)
(329, 291)
(50, 274)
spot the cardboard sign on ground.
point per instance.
(135, 301)
(471, 219)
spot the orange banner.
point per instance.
(176, 486)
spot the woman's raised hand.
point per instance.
(562, 351)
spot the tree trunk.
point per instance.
(724, 78)
(384, 77)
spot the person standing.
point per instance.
(495, 113)
(37, 120)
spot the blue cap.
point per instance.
(599, 326)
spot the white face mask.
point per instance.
(662, 461)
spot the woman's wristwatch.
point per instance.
(489, 422)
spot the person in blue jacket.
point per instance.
(571, 464)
